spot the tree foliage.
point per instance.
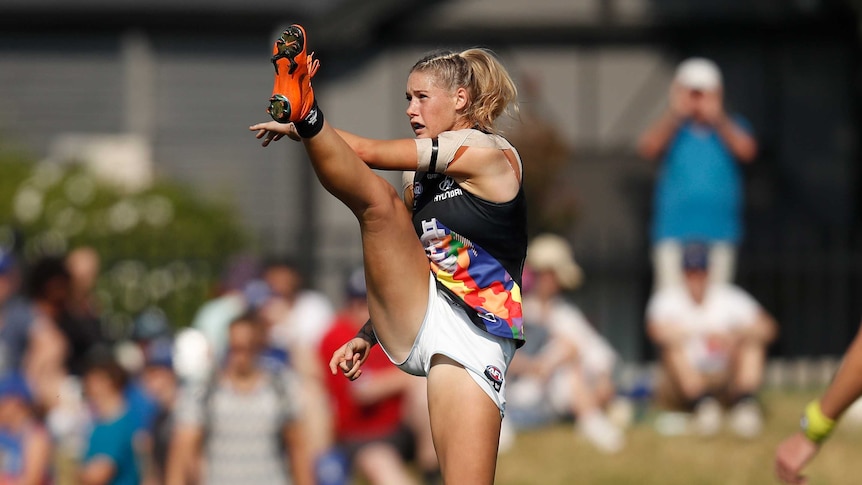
(163, 246)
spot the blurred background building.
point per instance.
(169, 88)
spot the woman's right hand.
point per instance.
(273, 131)
(350, 357)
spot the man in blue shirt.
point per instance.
(699, 192)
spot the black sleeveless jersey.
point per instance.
(476, 250)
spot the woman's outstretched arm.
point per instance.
(377, 154)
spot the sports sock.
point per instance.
(694, 403)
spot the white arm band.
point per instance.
(435, 154)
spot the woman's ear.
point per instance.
(462, 99)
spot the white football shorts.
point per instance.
(447, 330)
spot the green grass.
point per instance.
(556, 455)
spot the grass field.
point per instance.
(556, 455)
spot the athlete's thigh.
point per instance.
(465, 424)
(396, 271)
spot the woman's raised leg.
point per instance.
(396, 268)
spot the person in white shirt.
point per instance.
(712, 340)
(566, 366)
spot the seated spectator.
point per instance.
(566, 367)
(111, 456)
(244, 420)
(371, 413)
(712, 339)
(25, 445)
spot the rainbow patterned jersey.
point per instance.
(476, 250)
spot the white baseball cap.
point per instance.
(698, 73)
(548, 252)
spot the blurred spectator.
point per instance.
(16, 315)
(566, 367)
(25, 445)
(699, 192)
(111, 456)
(298, 318)
(48, 287)
(371, 425)
(159, 382)
(214, 317)
(261, 300)
(712, 339)
(81, 324)
(151, 392)
(306, 313)
(192, 357)
(243, 419)
(57, 395)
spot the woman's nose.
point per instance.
(411, 109)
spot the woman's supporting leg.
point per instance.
(396, 268)
(465, 424)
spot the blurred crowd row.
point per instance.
(244, 394)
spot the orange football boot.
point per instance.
(292, 96)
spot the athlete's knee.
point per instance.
(383, 205)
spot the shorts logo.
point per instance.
(495, 375)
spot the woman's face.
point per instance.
(431, 108)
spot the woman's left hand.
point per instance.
(274, 131)
(350, 357)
